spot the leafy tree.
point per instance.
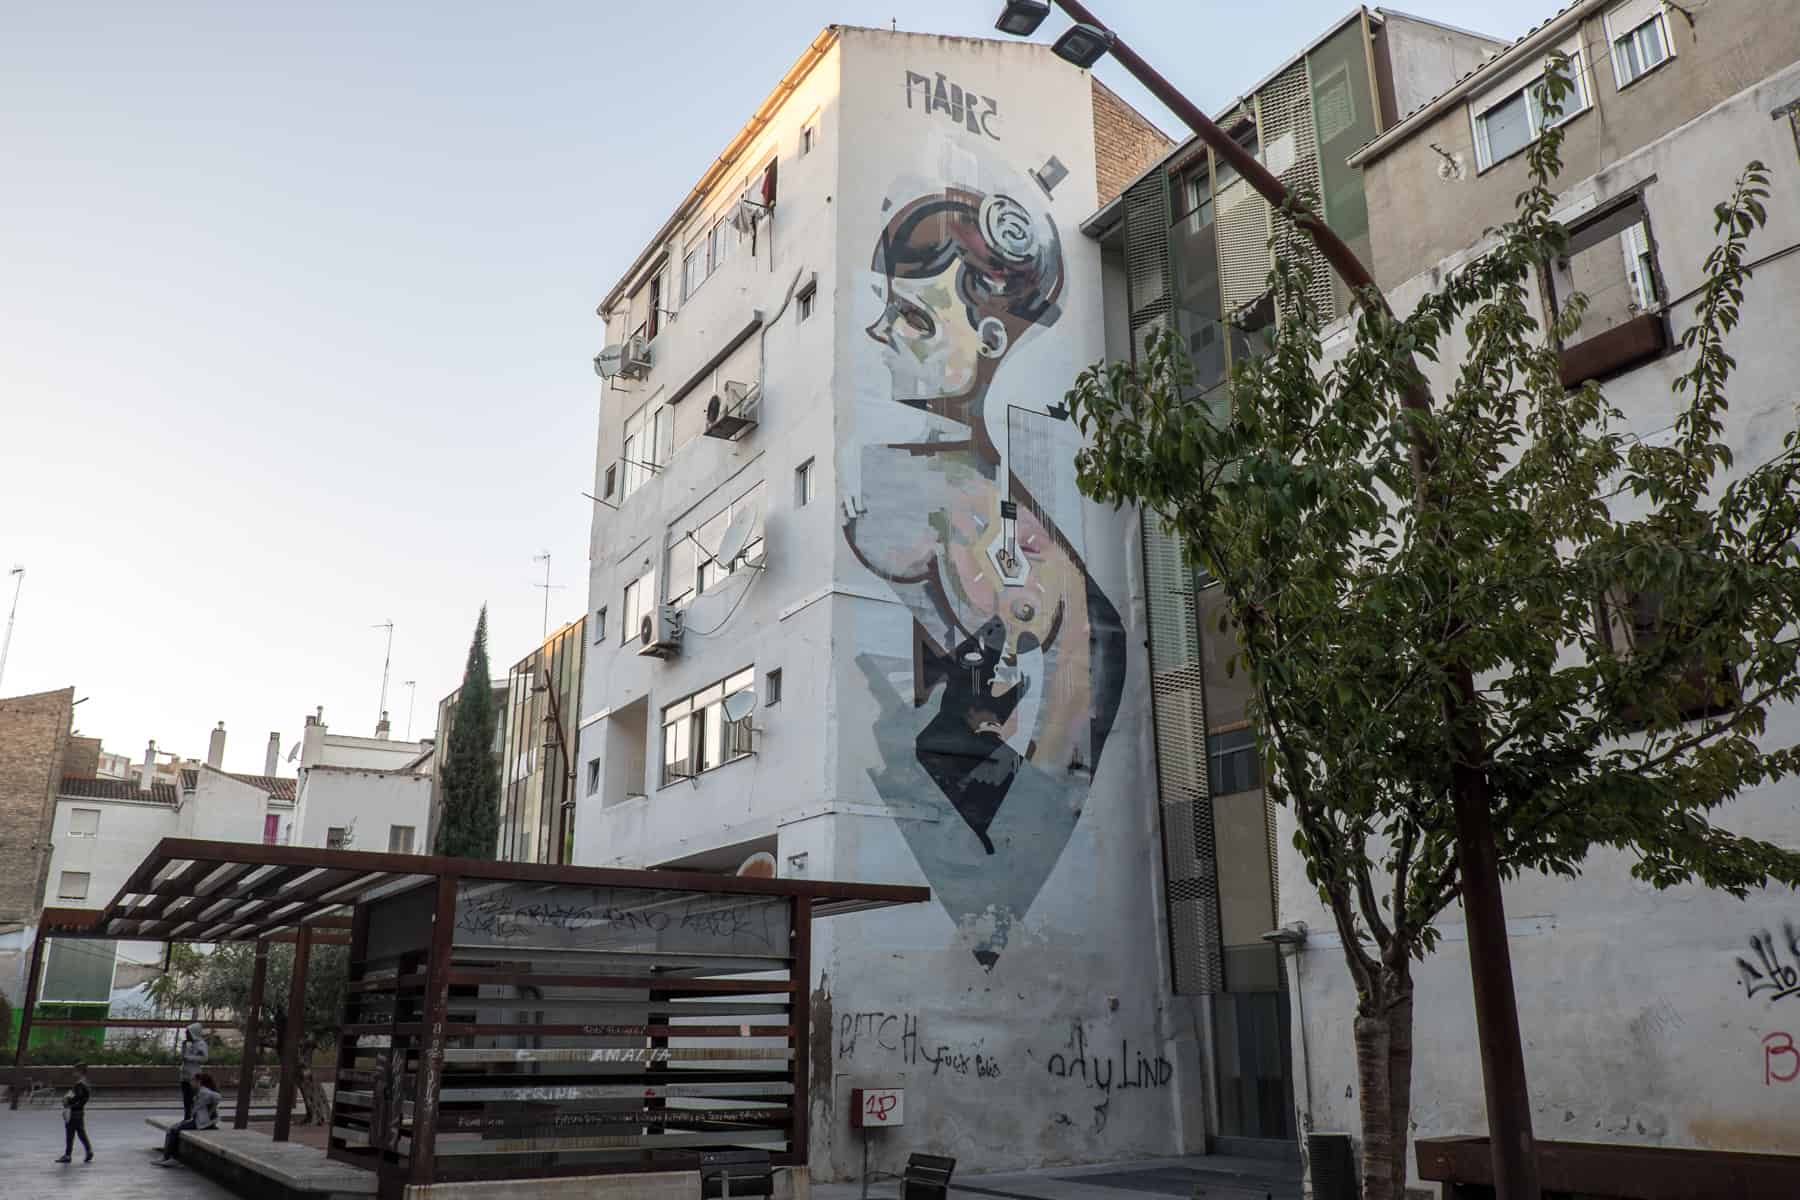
(217, 984)
(1626, 609)
(469, 826)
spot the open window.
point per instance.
(1611, 260)
(1632, 623)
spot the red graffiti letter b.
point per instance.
(1779, 1044)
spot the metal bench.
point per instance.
(927, 1177)
(727, 1173)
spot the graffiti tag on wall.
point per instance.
(963, 106)
(1779, 1047)
(1131, 1070)
(897, 1034)
(1771, 975)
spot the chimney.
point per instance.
(273, 758)
(147, 780)
(215, 748)
(382, 727)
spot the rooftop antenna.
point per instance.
(412, 694)
(547, 586)
(18, 574)
(386, 658)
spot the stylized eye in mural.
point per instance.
(998, 715)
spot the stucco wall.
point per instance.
(366, 802)
(1639, 1024)
(994, 734)
(1425, 218)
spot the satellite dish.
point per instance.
(707, 613)
(739, 705)
(760, 865)
(731, 542)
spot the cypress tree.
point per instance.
(470, 824)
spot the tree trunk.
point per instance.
(1383, 1033)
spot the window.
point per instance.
(1632, 623)
(772, 687)
(271, 829)
(1514, 118)
(1640, 39)
(1233, 765)
(400, 839)
(612, 481)
(803, 484)
(638, 598)
(693, 270)
(654, 321)
(647, 445)
(337, 837)
(692, 567)
(84, 822)
(600, 625)
(72, 886)
(809, 137)
(593, 776)
(698, 735)
(803, 304)
(1611, 260)
(721, 244)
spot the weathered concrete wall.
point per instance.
(368, 803)
(991, 720)
(1425, 218)
(1426, 57)
(1640, 1024)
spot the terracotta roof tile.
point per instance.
(278, 789)
(115, 789)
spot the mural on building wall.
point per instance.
(998, 715)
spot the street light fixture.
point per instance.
(1083, 45)
(1022, 17)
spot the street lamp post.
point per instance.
(1490, 958)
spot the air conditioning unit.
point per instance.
(733, 411)
(630, 358)
(659, 632)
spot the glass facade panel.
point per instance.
(1198, 307)
(1256, 1090)
(537, 816)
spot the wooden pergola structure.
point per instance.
(513, 1020)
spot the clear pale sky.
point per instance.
(297, 312)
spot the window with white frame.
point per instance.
(600, 625)
(337, 837)
(723, 241)
(84, 822)
(1510, 117)
(803, 303)
(593, 776)
(803, 484)
(693, 269)
(648, 444)
(639, 595)
(698, 733)
(809, 137)
(1639, 33)
(73, 885)
(693, 567)
(400, 838)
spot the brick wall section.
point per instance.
(82, 759)
(34, 733)
(1125, 142)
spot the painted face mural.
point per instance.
(991, 725)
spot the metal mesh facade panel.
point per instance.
(1178, 700)
(1291, 150)
(1148, 273)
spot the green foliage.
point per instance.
(219, 983)
(1374, 554)
(139, 1050)
(469, 826)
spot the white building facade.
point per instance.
(919, 657)
(362, 793)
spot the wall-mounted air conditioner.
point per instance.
(659, 632)
(630, 358)
(733, 411)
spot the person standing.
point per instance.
(193, 1057)
(204, 1116)
(75, 1117)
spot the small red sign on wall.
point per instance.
(877, 1108)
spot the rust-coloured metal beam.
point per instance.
(423, 1164)
(33, 977)
(296, 1033)
(801, 941)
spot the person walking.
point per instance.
(75, 1117)
(204, 1116)
(193, 1057)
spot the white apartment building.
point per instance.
(851, 619)
(362, 793)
